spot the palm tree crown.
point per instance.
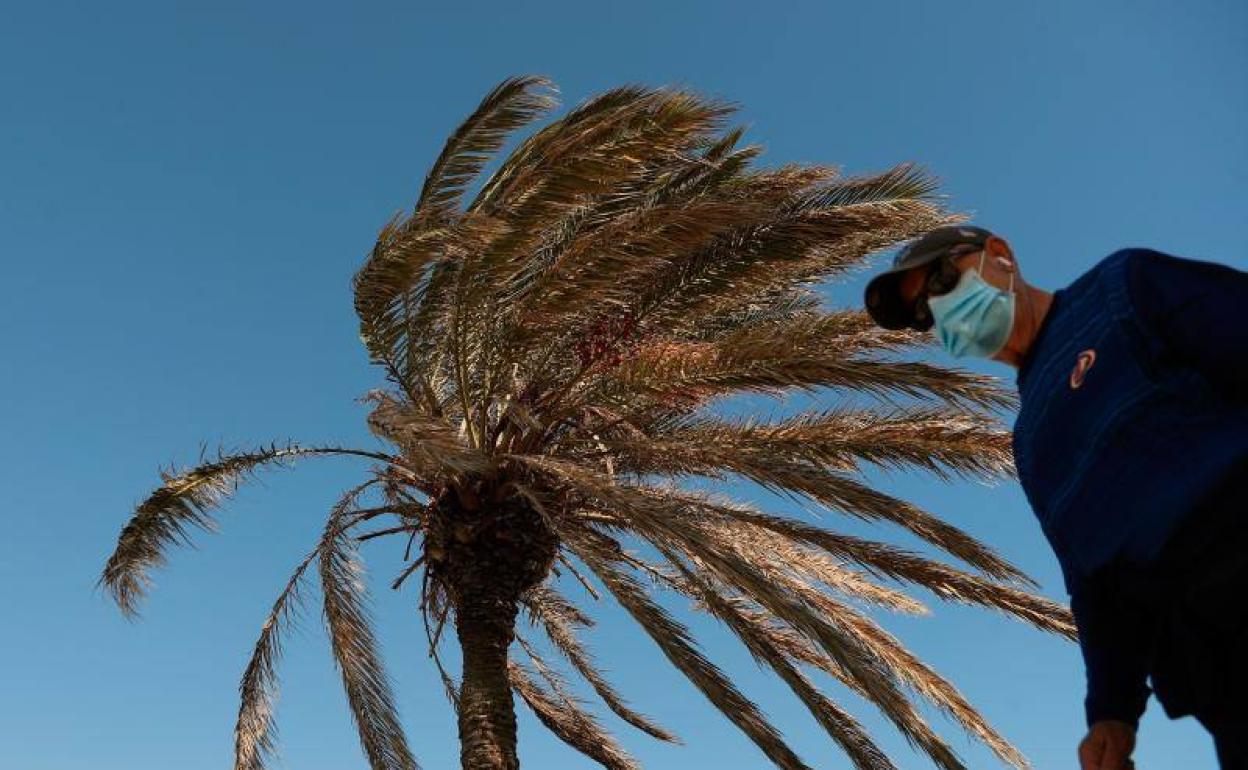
(554, 344)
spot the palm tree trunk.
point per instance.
(488, 556)
(485, 625)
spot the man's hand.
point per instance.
(1107, 746)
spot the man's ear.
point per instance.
(1000, 252)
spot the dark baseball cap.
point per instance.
(883, 296)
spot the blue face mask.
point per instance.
(974, 318)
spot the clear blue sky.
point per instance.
(186, 189)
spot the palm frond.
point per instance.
(400, 290)
(616, 140)
(636, 293)
(797, 242)
(677, 646)
(255, 732)
(395, 273)
(184, 503)
(941, 441)
(666, 191)
(868, 636)
(510, 105)
(596, 144)
(691, 373)
(830, 488)
(947, 582)
(670, 183)
(828, 631)
(430, 445)
(783, 560)
(769, 307)
(552, 611)
(839, 492)
(587, 153)
(355, 649)
(759, 639)
(669, 519)
(568, 721)
(722, 164)
(905, 181)
(689, 176)
(599, 270)
(849, 331)
(786, 561)
(926, 682)
(543, 600)
(800, 241)
(402, 293)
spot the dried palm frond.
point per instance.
(551, 610)
(399, 292)
(872, 675)
(786, 561)
(512, 104)
(182, 504)
(941, 441)
(255, 732)
(943, 580)
(430, 446)
(769, 361)
(674, 640)
(355, 648)
(669, 519)
(813, 233)
(763, 643)
(568, 721)
(808, 454)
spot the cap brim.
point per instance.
(882, 299)
(882, 296)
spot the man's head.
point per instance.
(936, 266)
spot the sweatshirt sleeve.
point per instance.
(1113, 639)
(1195, 307)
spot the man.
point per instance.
(1131, 445)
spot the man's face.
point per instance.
(911, 285)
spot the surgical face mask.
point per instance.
(974, 318)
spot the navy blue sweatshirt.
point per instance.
(1133, 412)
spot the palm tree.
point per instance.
(553, 347)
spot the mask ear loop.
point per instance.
(984, 255)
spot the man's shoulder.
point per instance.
(1126, 259)
(1132, 257)
(1091, 290)
(1130, 272)
(1158, 282)
(1142, 264)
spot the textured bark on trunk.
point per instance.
(487, 556)
(487, 715)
